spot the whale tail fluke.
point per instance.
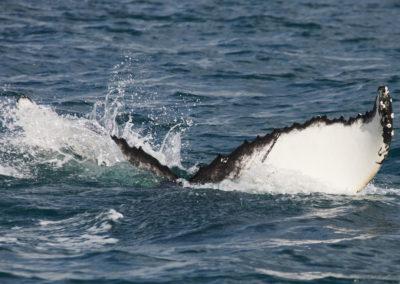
(340, 153)
(337, 152)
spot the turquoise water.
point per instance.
(187, 80)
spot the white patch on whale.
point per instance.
(339, 156)
(343, 155)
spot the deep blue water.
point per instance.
(223, 71)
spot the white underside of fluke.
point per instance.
(336, 155)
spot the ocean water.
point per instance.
(187, 80)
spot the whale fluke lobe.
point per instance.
(340, 153)
(23, 102)
(139, 158)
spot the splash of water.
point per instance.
(141, 115)
(36, 135)
(279, 181)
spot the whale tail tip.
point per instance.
(24, 102)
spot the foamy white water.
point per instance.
(66, 137)
(38, 135)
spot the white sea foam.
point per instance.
(314, 275)
(9, 171)
(84, 230)
(70, 136)
(36, 135)
(114, 215)
(280, 181)
(372, 189)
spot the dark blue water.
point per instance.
(72, 210)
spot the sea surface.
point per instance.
(187, 80)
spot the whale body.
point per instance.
(340, 153)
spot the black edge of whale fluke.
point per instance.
(139, 158)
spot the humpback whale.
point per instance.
(341, 153)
